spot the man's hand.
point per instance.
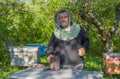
(81, 51)
(50, 57)
(38, 65)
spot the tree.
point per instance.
(105, 35)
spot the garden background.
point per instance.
(32, 21)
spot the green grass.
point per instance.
(93, 62)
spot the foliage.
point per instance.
(22, 23)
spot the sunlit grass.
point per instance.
(93, 62)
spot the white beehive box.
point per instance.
(24, 55)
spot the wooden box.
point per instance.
(23, 55)
(111, 62)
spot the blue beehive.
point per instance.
(42, 48)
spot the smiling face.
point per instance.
(64, 19)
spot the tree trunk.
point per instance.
(114, 31)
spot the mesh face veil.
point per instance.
(57, 21)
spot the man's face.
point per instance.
(64, 19)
